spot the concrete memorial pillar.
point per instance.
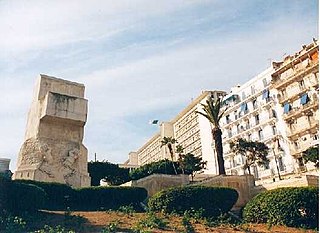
(52, 150)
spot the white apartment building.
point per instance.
(279, 107)
(193, 133)
(252, 113)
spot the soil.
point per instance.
(93, 222)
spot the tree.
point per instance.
(190, 164)
(169, 142)
(213, 113)
(110, 172)
(254, 152)
(312, 155)
(179, 150)
(159, 167)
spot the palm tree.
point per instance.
(169, 141)
(179, 150)
(213, 114)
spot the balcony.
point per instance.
(295, 95)
(296, 132)
(301, 110)
(298, 74)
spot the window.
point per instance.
(243, 95)
(281, 165)
(253, 90)
(238, 128)
(249, 137)
(229, 133)
(235, 115)
(228, 119)
(260, 135)
(256, 117)
(265, 83)
(254, 104)
(265, 94)
(301, 84)
(244, 108)
(274, 130)
(296, 144)
(315, 137)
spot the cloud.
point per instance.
(139, 60)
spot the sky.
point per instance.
(138, 59)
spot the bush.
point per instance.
(210, 201)
(294, 207)
(104, 198)
(24, 197)
(159, 167)
(58, 194)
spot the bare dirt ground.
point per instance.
(92, 222)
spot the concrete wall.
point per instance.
(157, 182)
(243, 184)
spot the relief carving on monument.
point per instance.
(53, 149)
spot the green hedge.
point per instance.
(61, 196)
(103, 198)
(58, 194)
(213, 201)
(22, 197)
(296, 207)
(160, 167)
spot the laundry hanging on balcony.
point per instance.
(304, 99)
(265, 94)
(243, 107)
(286, 108)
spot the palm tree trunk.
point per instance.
(217, 137)
(171, 154)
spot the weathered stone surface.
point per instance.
(157, 182)
(53, 149)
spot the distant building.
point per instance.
(193, 133)
(4, 165)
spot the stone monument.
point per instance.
(52, 150)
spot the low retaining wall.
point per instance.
(243, 184)
(157, 182)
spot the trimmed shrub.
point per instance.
(104, 198)
(210, 201)
(159, 167)
(294, 207)
(24, 197)
(59, 195)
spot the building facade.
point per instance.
(192, 132)
(296, 81)
(278, 107)
(252, 113)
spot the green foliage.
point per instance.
(110, 172)
(190, 164)
(212, 111)
(103, 198)
(23, 197)
(56, 229)
(159, 167)
(187, 224)
(58, 194)
(10, 224)
(111, 227)
(312, 155)
(213, 201)
(151, 222)
(129, 210)
(169, 142)
(294, 207)
(254, 151)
